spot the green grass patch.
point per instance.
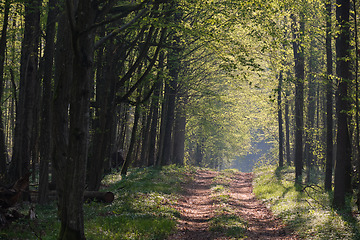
(218, 188)
(222, 179)
(41, 228)
(142, 209)
(130, 226)
(305, 209)
(226, 220)
(230, 224)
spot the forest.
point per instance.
(92, 88)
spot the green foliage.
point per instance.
(143, 206)
(305, 209)
(142, 209)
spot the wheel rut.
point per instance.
(197, 207)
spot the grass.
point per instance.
(231, 224)
(225, 220)
(306, 210)
(142, 209)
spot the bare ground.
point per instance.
(196, 208)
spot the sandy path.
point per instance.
(197, 207)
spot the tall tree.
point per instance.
(329, 98)
(311, 108)
(28, 82)
(167, 118)
(155, 110)
(342, 184)
(280, 122)
(45, 131)
(103, 122)
(357, 107)
(171, 87)
(298, 48)
(3, 40)
(130, 154)
(70, 159)
(287, 128)
(179, 127)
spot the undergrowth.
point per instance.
(306, 209)
(142, 209)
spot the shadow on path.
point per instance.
(196, 208)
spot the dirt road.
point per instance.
(197, 207)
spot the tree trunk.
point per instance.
(329, 100)
(105, 94)
(145, 137)
(130, 153)
(60, 102)
(280, 122)
(3, 40)
(299, 95)
(357, 116)
(71, 152)
(155, 109)
(169, 107)
(287, 129)
(342, 184)
(198, 154)
(28, 77)
(310, 123)
(179, 129)
(45, 134)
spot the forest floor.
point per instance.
(198, 206)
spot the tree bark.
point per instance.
(28, 77)
(105, 108)
(280, 122)
(310, 123)
(357, 107)
(3, 40)
(329, 100)
(169, 107)
(155, 109)
(299, 95)
(130, 153)
(74, 67)
(82, 16)
(287, 129)
(45, 134)
(342, 184)
(60, 102)
(145, 135)
(179, 128)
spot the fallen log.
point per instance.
(105, 197)
(89, 196)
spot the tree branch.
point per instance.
(118, 30)
(141, 79)
(142, 54)
(115, 18)
(71, 14)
